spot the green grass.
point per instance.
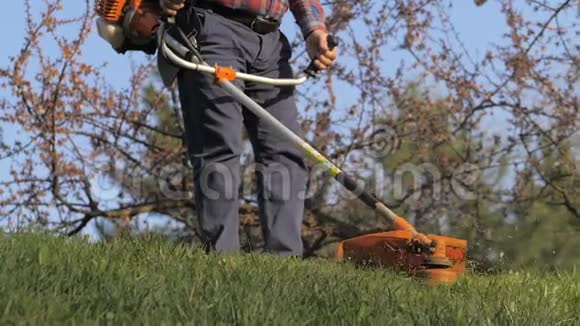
(54, 281)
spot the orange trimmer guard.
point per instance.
(392, 250)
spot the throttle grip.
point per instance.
(312, 70)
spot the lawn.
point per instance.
(55, 281)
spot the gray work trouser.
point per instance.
(214, 123)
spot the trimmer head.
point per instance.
(394, 249)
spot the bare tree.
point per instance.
(79, 133)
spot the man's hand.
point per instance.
(170, 7)
(317, 47)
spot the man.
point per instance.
(244, 34)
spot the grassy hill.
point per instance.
(54, 281)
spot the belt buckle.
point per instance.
(253, 24)
(266, 25)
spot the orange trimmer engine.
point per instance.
(395, 249)
(113, 10)
(129, 24)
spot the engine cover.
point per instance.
(129, 25)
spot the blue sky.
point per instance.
(477, 26)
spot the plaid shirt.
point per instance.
(308, 13)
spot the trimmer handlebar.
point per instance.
(176, 52)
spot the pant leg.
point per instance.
(281, 170)
(213, 122)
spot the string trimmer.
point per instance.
(437, 259)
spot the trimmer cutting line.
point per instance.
(437, 259)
